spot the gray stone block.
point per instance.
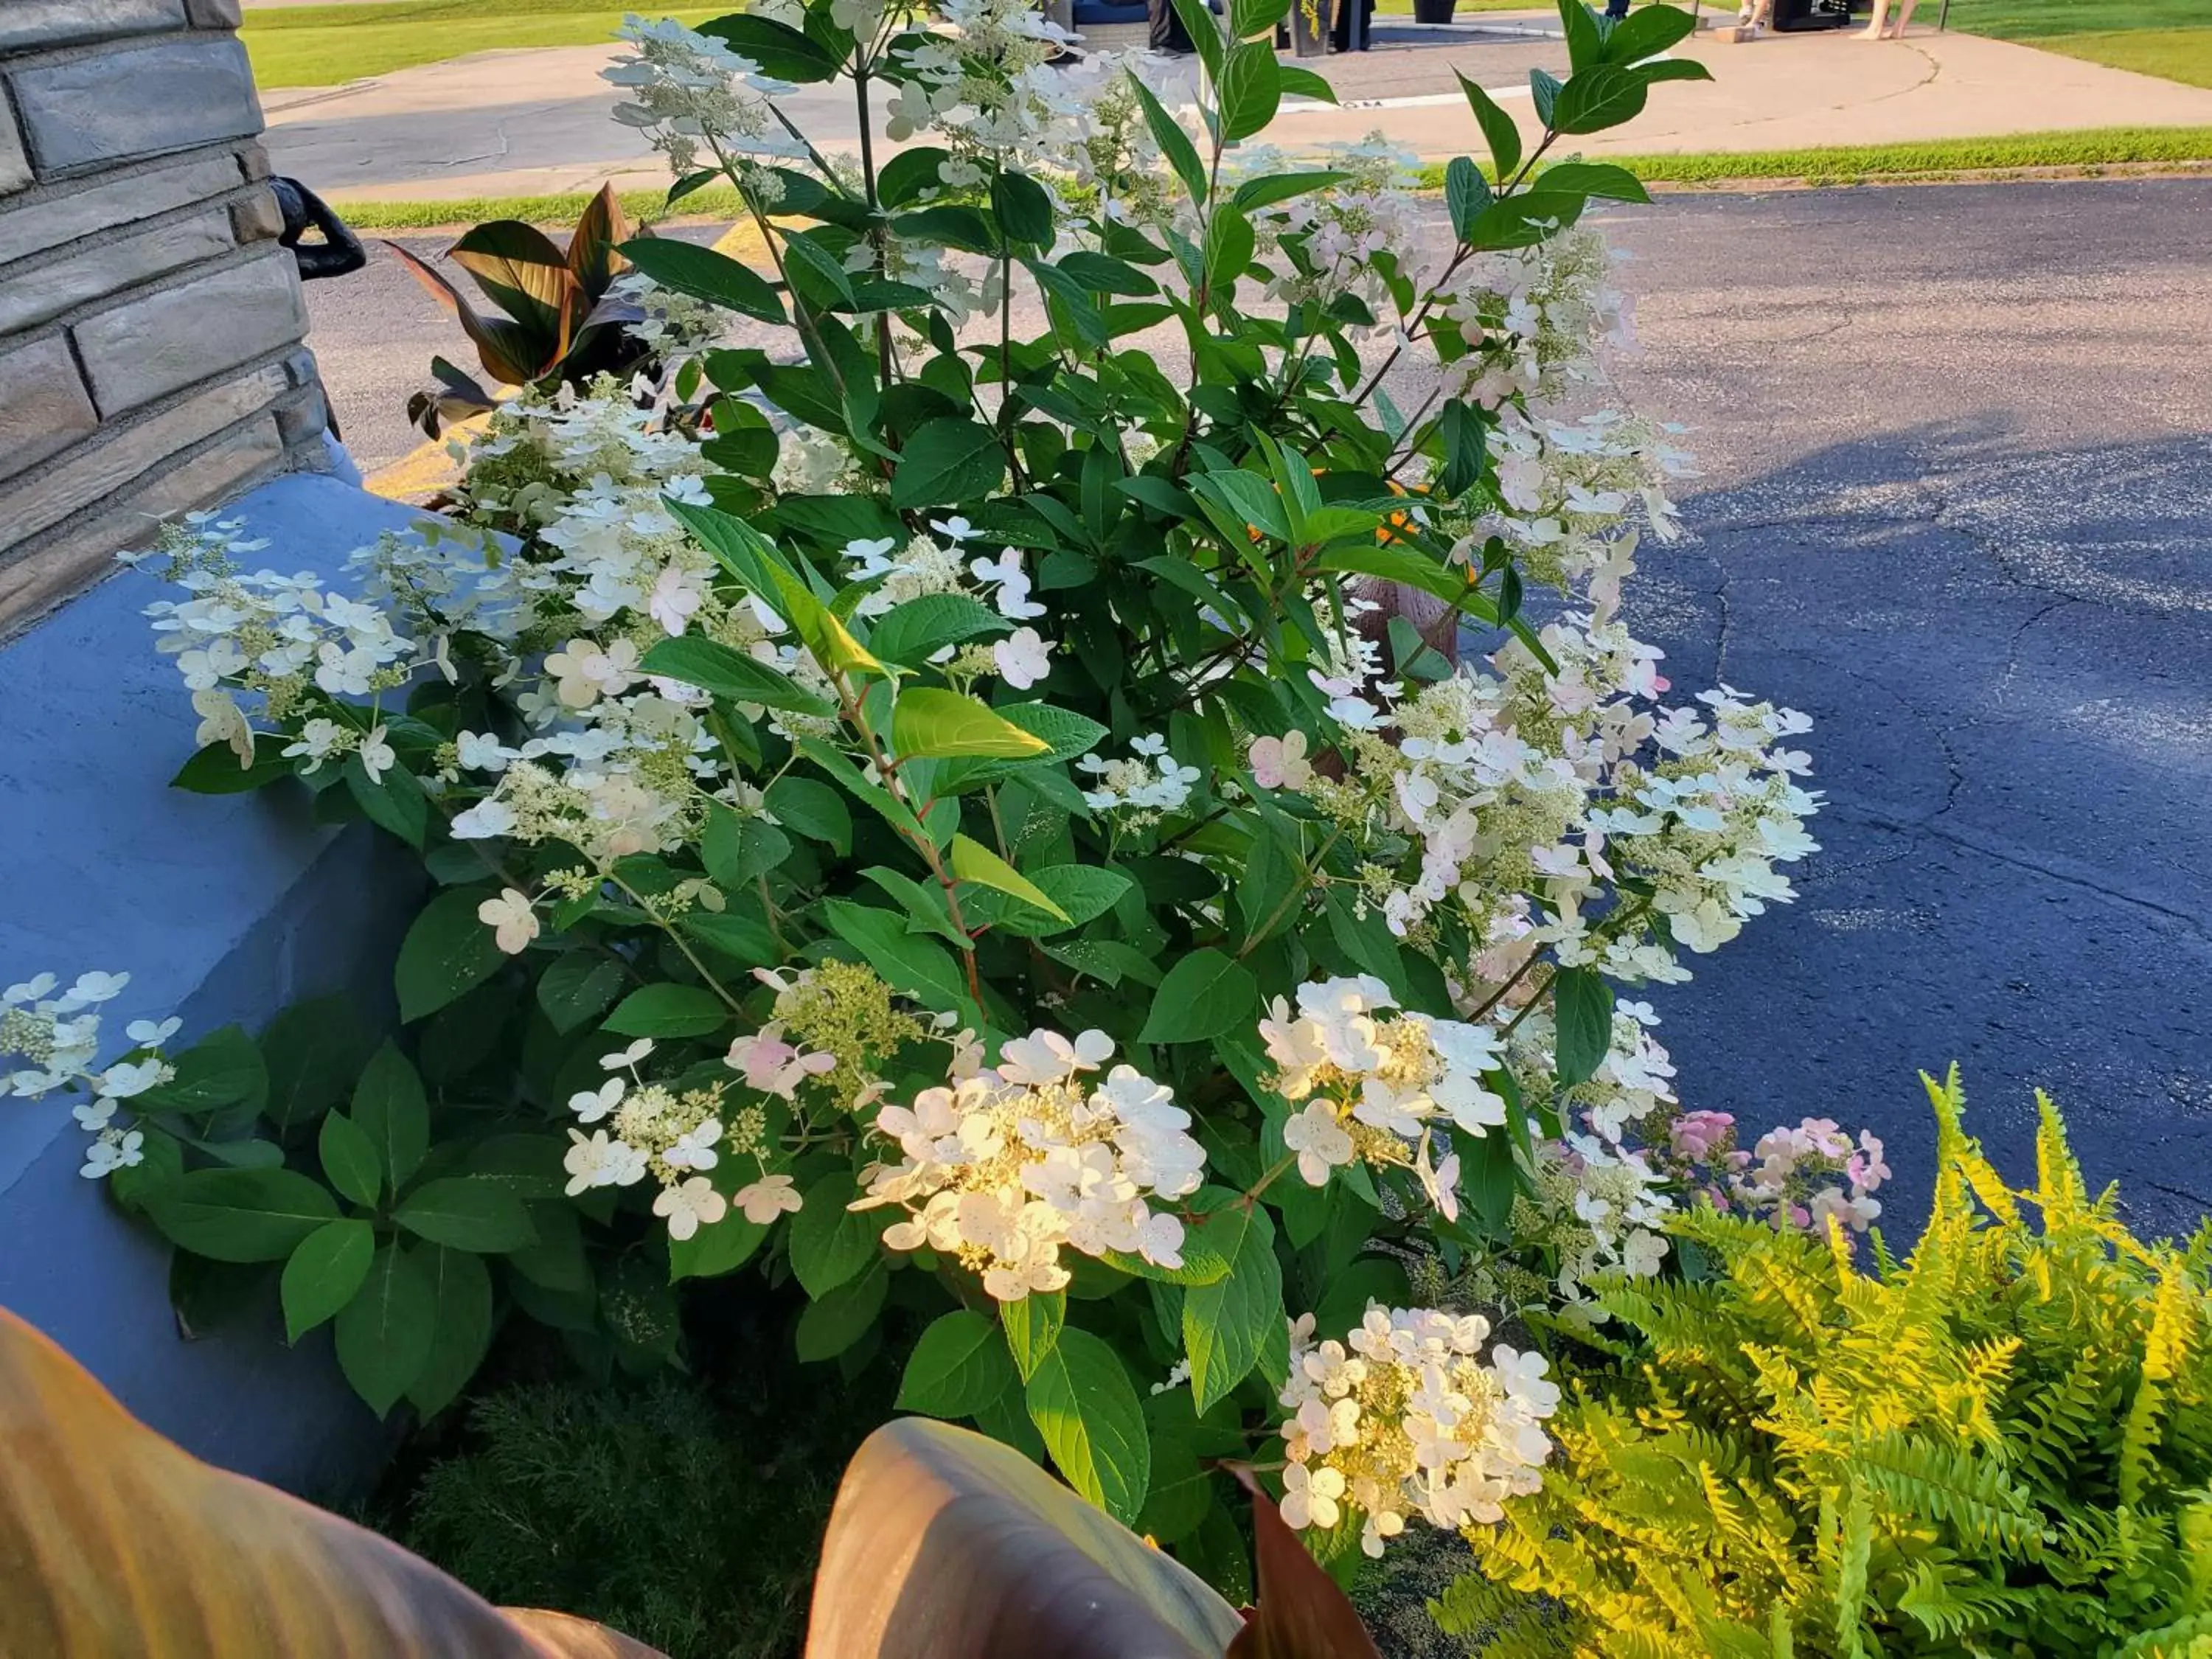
(215, 14)
(301, 367)
(57, 219)
(117, 458)
(28, 298)
(138, 101)
(257, 218)
(165, 342)
(29, 25)
(81, 554)
(44, 405)
(14, 166)
(305, 419)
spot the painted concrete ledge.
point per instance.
(222, 910)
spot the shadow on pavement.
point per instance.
(2006, 665)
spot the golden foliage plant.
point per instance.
(1999, 1445)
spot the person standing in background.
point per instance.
(1873, 30)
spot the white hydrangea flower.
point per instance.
(1405, 1417)
(512, 918)
(1004, 1166)
(1378, 1087)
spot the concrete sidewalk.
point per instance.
(537, 123)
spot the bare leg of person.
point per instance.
(1903, 17)
(1873, 30)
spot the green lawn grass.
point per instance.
(2037, 20)
(2167, 38)
(2184, 55)
(324, 45)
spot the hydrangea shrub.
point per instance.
(1121, 863)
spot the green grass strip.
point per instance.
(2093, 147)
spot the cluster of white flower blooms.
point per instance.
(1566, 490)
(1405, 1417)
(1598, 1208)
(686, 89)
(1004, 1165)
(58, 1033)
(670, 325)
(1325, 242)
(982, 86)
(652, 1130)
(263, 636)
(1535, 319)
(1377, 1089)
(1143, 786)
(1530, 790)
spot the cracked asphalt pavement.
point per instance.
(1956, 506)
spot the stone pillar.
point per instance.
(149, 323)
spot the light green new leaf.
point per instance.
(1032, 1325)
(929, 721)
(827, 637)
(973, 861)
(1083, 1403)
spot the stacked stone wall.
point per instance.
(151, 323)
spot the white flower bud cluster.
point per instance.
(1599, 1208)
(1379, 1089)
(1536, 318)
(1406, 1417)
(1003, 1166)
(278, 637)
(1328, 240)
(688, 90)
(672, 325)
(653, 1130)
(58, 1033)
(1147, 783)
